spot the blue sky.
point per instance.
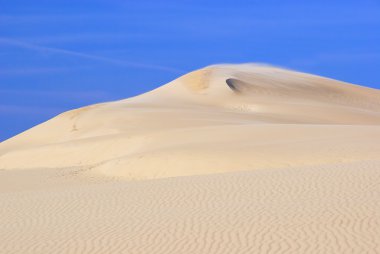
(61, 54)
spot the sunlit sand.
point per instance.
(226, 159)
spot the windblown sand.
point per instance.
(226, 159)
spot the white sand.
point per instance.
(275, 161)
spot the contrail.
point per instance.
(35, 47)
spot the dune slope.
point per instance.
(319, 209)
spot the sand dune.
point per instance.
(299, 155)
(183, 128)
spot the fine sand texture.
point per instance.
(226, 159)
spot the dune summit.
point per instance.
(299, 155)
(217, 119)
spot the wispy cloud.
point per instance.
(30, 46)
(33, 71)
(29, 110)
(58, 94)
(20, 19)
(88, 37)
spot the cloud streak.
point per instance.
(72, 53)
(13, 110)
(33, 71)
(57, 94)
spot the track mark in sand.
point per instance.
(77, 112)
(330, 209)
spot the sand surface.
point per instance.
(226, 159)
